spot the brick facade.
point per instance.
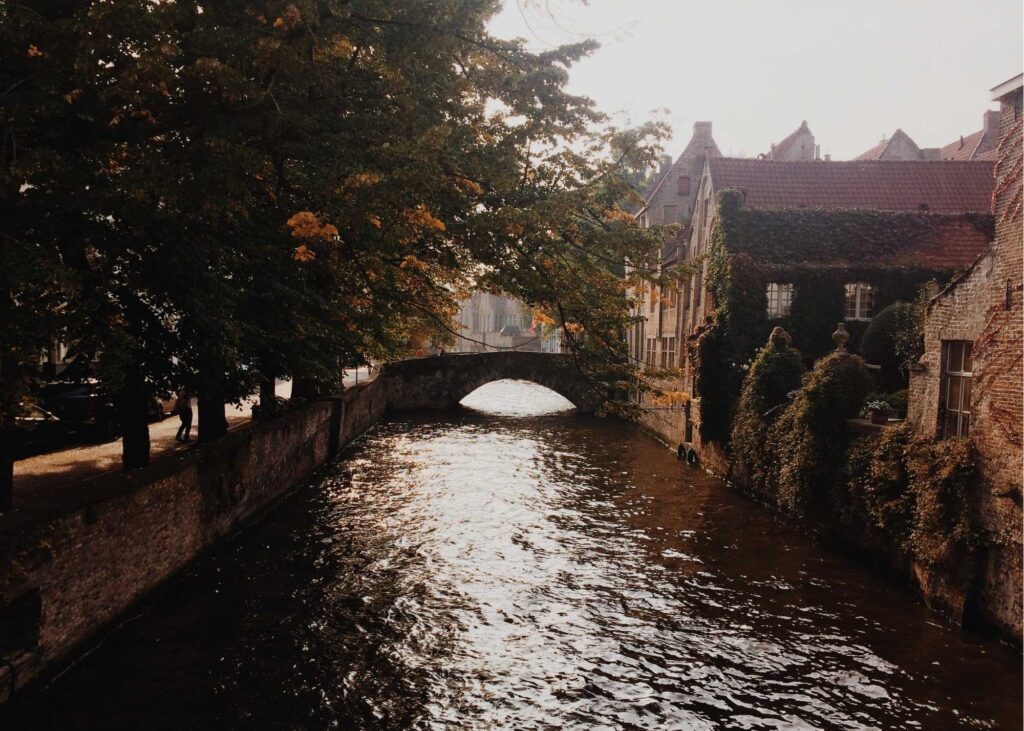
(984, 307)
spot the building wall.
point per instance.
(482, 318)
(659, 339)
(985, 307)
(71, 571)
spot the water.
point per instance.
(529, 569)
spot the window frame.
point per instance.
(773, 293)
(963, 378)
(861, 292)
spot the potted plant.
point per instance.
(878, 412)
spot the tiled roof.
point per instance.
(782, 147)
(962, 149)
(942, 186)
(953, 244)
(875, 152)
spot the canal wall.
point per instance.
(72, 569)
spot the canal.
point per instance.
(514, 566)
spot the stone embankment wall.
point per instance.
(67, 574)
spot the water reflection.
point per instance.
(541, 571)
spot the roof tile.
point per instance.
(936, 186)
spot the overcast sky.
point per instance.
(854, 69)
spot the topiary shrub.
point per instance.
(810, 436)
(894, 340)
(775, 373)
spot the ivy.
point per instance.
(810, 436)
(775, 374)
(819, 252)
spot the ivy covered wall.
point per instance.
(819, 252)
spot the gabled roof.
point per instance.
(699, 145)
(789, 140)
(966, 148)
(884, 185)
(878, 151)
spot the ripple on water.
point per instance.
(518, 567)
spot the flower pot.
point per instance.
(878, 416)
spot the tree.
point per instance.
(214, 196)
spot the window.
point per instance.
(955, 394)
(860, 301)
(780, 299)
(683, 185)
(670, 348)
(668, 214)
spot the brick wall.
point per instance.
(67, 576)
(984, 306)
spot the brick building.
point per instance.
(488, 322)
(969, 382)
(871, 233)
(653, 340)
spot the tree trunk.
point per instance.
(305, 388)
(6, 470)
(268, 395)
(213, 424)
(133, 414)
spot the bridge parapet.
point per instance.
(441, 382)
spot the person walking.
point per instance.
(184, 411)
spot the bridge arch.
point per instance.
(441, 382)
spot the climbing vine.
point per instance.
(774, 376)
(818, 252)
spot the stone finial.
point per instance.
(780, 338)
(840, 336)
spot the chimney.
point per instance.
(828, 158)
(817, 152)
(990, 122)
(961, 142)
(702, 129)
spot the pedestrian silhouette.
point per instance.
(184, 411)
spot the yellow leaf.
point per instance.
(34, 52)
(304, 253)
(373, 219)
(421, 216)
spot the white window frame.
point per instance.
(780, 299)
(861, 292)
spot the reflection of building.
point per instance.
(495, 322)
(969, 381)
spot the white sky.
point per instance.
(854, 69)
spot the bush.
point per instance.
(775, 374)
(810, 436)
(894, 340)
(916, 492)
(898, 400)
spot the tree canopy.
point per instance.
(206, 195)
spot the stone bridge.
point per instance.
(441, 382)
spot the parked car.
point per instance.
(83, 404)
(38, 431)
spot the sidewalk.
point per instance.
(38, 478)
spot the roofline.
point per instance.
(955, 281)
(1008, 87)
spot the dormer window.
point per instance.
(683, 184)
